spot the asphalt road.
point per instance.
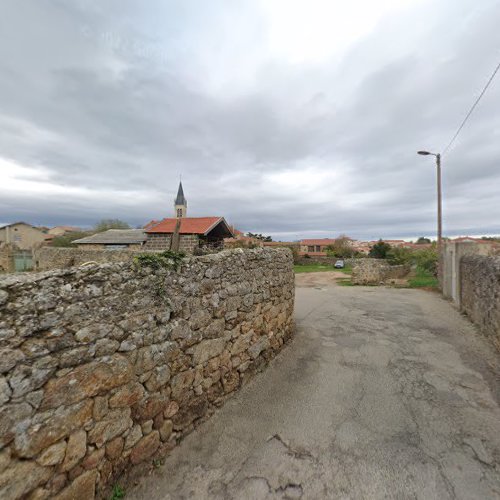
(384, 393)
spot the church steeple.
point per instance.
(180, 203)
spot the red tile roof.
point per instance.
(324, 241)
(150, 224)
(189, 225)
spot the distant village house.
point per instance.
(315, 247)
(179, 233)
(22, 236)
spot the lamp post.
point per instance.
(439, 209)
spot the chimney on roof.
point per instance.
(180, 203)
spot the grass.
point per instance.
(345, 282)
(117, 493)
(423, 279)
(318, 268)
(311, 268)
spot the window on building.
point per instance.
(318, 248)
(310, 249)
(179, 212)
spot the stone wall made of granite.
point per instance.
(108, 366)
(376, 272)
(46, 258)
(480, 293)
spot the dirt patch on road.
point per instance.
(311, 280)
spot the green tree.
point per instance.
(106, 224)
(379, 250)
(259, 236)
(422, 240)
(66, 240)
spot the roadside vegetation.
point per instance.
(422, 261)
(318, 268)
(423, 279)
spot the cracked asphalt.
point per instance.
(383, 393)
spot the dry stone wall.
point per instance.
(46, 258)
(108, 366)
(6, 258)
(376, 272)
(480, 293)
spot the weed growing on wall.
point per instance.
(166, 260)
(163, 260)
(117, 493)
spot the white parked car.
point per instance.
(339, 264)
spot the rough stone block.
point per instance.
(207, 349)
(53, 455)
(114, 448)
(22, 477)
(127, 395)
(145, 448)
(193, 410)
(261, 345)
(83, 487)
(63, 422)
(116, 422)
(87, 381)
(75, 450)
(181, 383)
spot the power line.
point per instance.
(471, 109)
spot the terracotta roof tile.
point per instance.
(189, 225)
(324, 241)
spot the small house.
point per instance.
(190, 232)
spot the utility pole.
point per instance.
(439, 196)
(439, 208)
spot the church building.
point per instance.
(186, 234)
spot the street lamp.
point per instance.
(439, 212)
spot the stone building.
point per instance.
(114, 239)
(22, 236)
(186, 234)
(316, 247)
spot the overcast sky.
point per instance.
(290, 118)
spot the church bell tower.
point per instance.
(180, 203)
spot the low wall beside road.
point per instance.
(107, 366)
(480, 293)
(376, 272)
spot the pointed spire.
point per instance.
(180, 199)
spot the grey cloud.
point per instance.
(119, 97)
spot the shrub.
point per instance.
(426, 259)
(379, 250)
(398, 256)
(66, 240)
(106, 224)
